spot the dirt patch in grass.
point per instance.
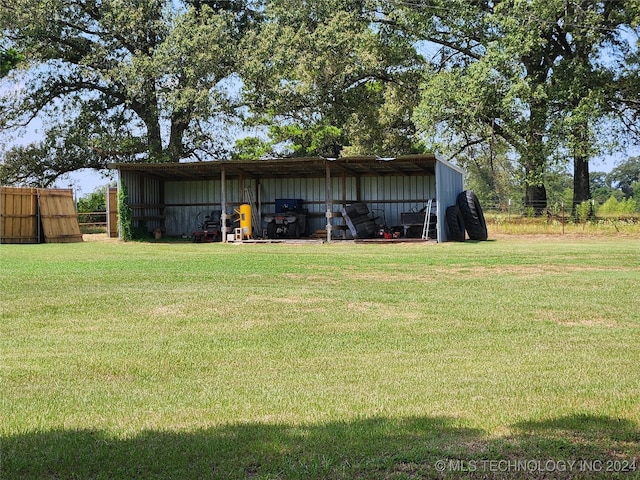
(582, 322)
(99, 237)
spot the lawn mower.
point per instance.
(210, 227)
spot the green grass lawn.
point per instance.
(510, 358)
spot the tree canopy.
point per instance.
(508, 88)
(111, 80)
(322, 80)
(9, 59)
(531, 75)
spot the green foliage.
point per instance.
(9, 59)
(614, 207)
(584, 211)
(125, 226)
(635, 186)
(625, 176)
(509, 89)
(149, 83)
(96, 201)
(325, 82)
(528, 73)
(251, 148)
(559, 186)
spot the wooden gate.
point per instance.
(58, 216)
(30, 215)
(19, 215)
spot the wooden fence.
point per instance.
(58, 216)
(30, 215)
(19, 215)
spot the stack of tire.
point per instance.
(362, 223)
(466, 215)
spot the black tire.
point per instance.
(292, 230)
(455, 222)
(472, 214)
(271, 229)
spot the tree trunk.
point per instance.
(535, 158)
(581, 188)
(534, 167)
(536, 198)
(582, 140)
(179, 124)
(149, 112)
(154, 142)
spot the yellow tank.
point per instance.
(245, 220)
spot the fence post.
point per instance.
(112, 212)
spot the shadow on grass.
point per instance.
(367, 449)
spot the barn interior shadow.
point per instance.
(371, 448)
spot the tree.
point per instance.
(96, 201)
(625, 176)
(323, 81)
(490, 174)
(601, 188)
(147, 80)
(528, 72)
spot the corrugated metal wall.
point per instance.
(386, 197)
(187, 203)
(450, 182)
(145, 200)
(389, 197)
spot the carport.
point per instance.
(169, 196)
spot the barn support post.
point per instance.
(259, 197)
(223, 204)
(329, 201)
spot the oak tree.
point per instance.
(115, 80)
(324, 79)
(531, 74)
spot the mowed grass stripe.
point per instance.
(337, 360)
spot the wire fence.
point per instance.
(92, 219)
(557, 219)
(583, 210)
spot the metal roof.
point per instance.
(285, 167)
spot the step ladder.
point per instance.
(427, 220)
